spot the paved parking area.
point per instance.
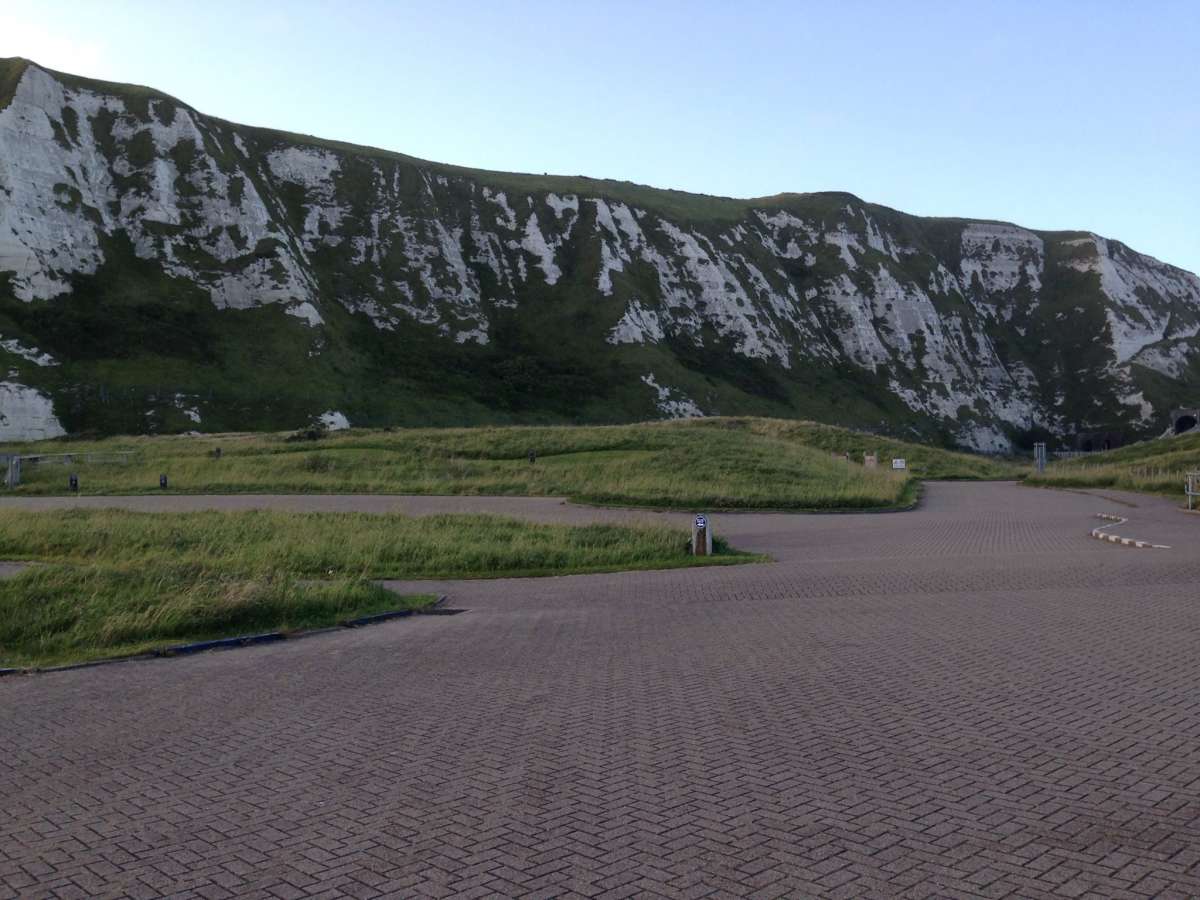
(973, 699)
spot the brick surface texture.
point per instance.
(974, 699)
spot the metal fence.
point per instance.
(122, 457)
(1192, 489)
(13, 463)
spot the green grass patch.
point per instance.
(722, 463)
(166, 578)
(1151, 467)
(51, 615)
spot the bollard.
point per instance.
(702, 538)
(73, 483)
(162, 482)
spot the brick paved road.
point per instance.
(975, 699)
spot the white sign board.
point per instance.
(898, 464)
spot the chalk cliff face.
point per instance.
(164, 270)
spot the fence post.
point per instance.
(12, 470)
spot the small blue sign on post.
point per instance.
(701, 537)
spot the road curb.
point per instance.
(1101, 535)
(220, 644)
(436, 608)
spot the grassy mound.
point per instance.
(1153, 467)
(114, 582)
(738, 463)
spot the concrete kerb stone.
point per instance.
(1100, 534)
(436, 608)
(221, 644)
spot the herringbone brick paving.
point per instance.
(971, 700)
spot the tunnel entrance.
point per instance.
(1098, 441)
(1184, 419)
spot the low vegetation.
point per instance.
(112, 582)
(735, 463)
(1153, 467)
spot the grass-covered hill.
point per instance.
(163, 270)
(734, 463)
(1156, 466)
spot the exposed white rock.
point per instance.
(845, 241)
(333, 420)
(44, 238)
(1000, 256)
(305, 311)
(313, 168)
(61, 200)
(1147, 296)
(32, 354)
(1171, 357)
(185, 405)
(671, 403)
(26, 414)
(881, 241)
(984, 438)
(697, 279)
(560, 205)
(609, 263)
(856, 332)
(637, 326)
(613, 238)
(477, 335)
(508, 217)
(534, 242)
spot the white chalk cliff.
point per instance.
(976, 331)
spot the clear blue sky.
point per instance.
(1052, 114)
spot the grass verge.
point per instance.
(167, 578)
(1150, 467)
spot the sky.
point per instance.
(1053, 114)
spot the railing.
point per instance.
(12, 464)
(68, 459)
(1192, 488)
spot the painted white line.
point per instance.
(1100, 534)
